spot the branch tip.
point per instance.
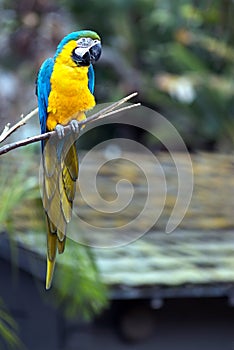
(105, 112)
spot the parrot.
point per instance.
(65, 91)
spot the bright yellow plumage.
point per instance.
(69, 94)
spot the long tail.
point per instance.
(60, 175)
(55, 241)
(49, 272)
(51, 253)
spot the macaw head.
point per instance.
(83, 47)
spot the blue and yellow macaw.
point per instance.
(65, 86)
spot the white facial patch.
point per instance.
(84, 42)
(80, 51)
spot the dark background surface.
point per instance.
(184, 324)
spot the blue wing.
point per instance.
(43, 88)
(91, 79)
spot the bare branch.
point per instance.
(105, 112)
(9, 130)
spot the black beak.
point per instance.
(95, 52)
(86, 56)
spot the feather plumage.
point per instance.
(65, 92)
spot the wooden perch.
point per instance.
(8, 130)
(105, 112)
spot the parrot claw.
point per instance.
(60, 131)
(75, 126)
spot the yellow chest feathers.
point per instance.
(70, 95)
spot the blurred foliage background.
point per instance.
(178, 55)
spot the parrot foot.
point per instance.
(60, 131)
(75, 126)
